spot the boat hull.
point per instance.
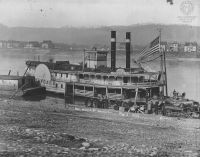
(34, 91)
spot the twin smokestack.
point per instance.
(113, 50)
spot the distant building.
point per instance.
(47, 44)
(190, 47)
(3, 44)
(13, 44)
(32, 44)
(181, 47)
(174, 47)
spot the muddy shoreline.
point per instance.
(47, 128)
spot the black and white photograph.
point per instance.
(105, 78)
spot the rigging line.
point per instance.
(149, 55)
(152, 64)
(153, 49)
(148, 47)
(143, 51)
(140, 53)
(151, 59)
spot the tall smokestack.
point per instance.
(128, 50)
(113, 50)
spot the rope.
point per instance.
(151, 51)
(142, 52)
(151, 59)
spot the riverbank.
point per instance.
(47, 128)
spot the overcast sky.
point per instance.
(58, 13)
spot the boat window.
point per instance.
(61, 85)
(141, 78)
(89, 88)
(105, 77)
(125, 80)
(86, 76)
(66, 75)
(56, 85)
(98, 76)
(81, 76)
(119, 78)
(92, 76)
(112, 78)
(55, 74)
(134, 79)
(61, 75)
(113, 90)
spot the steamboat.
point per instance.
(132, 88)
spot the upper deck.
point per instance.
(113, 79)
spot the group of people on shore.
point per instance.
(178, 95)
(153, 106)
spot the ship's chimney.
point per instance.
(113, 50)
(128, 50)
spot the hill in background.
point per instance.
(141, 34)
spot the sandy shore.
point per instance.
(47, 128)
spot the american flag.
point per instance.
(150, 50)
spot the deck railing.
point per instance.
(109, 83)
(119, 83)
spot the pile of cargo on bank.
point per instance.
(132, 89)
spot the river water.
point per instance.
(183, 75)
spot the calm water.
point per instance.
(183, 75)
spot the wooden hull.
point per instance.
(34, 91)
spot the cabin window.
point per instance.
(56, 85)
(134, 79)
(141, 79)
(55, 74)
(125, 80)
(81, 76)
(61, 75)
(66, 75)
(86, 76)
(61, 85)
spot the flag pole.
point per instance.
(163, 65)
(83, 68)
(161, 60)
(165, 70)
